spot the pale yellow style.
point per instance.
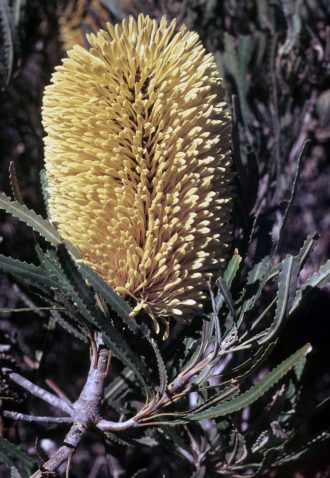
(138, 162)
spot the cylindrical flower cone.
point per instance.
(138, 162)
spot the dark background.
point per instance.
(275, 58)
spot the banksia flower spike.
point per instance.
(138, 162)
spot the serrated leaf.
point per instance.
(225, 292)
(254, 287)
(292, 197)
(228, 277)
(7, 50)
(294, 455)
(307, 248)
(54, 269)
(25, 270)
(44, 190)
(69, 320)
(14, 183)
(119, 305)
(161, 367)
(318, 279)
(232, 269)
(7, 310)
(286, 289)
(260, 442)
(29, 217)
(65, 324)
(238, 451)
(14, 473)
(253, 394)
(10, 454)
(81, 295)
(229, 391)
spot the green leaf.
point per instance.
(83, 298)
(71, 329)
(14, 183)
(44, 190)
(253, 394)
(236, 59)
(161, 367)
(11, 454)
(29, 217)
(296, 454)
(318, 279)
(116, 303)
(23, 270)
(307, 248)
(14, 473)
(255, 284)
(51, 264)
(232, 269)
(228, 277)
(238, 451)
(286, 289)
(292, 196)
(7, 43)
(225, 292)
(7, 310)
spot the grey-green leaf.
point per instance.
(254, 393)
(119, 305)
(29, 217)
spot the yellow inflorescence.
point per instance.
(138, 162)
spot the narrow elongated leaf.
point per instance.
(228, 277)
(253, 394)
(297, 453)
(318, 279)
(307, 248)
(63, 322)
(69, 318)
(116, 303)
(232, 269)
(11, 454)
(254, 287)
(14, 473)
(286, 290)
(7, 43)
(292, 196)
(82, 296)
(24, 270)
(161, 367)
(225, 292)
(51, 264)
(29, 217)
(14, 183)
(7, 310)
(44, 190)
(238, 451)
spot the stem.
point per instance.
(40, 392)
(37, 419)
(86, 410)
(71, 442)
